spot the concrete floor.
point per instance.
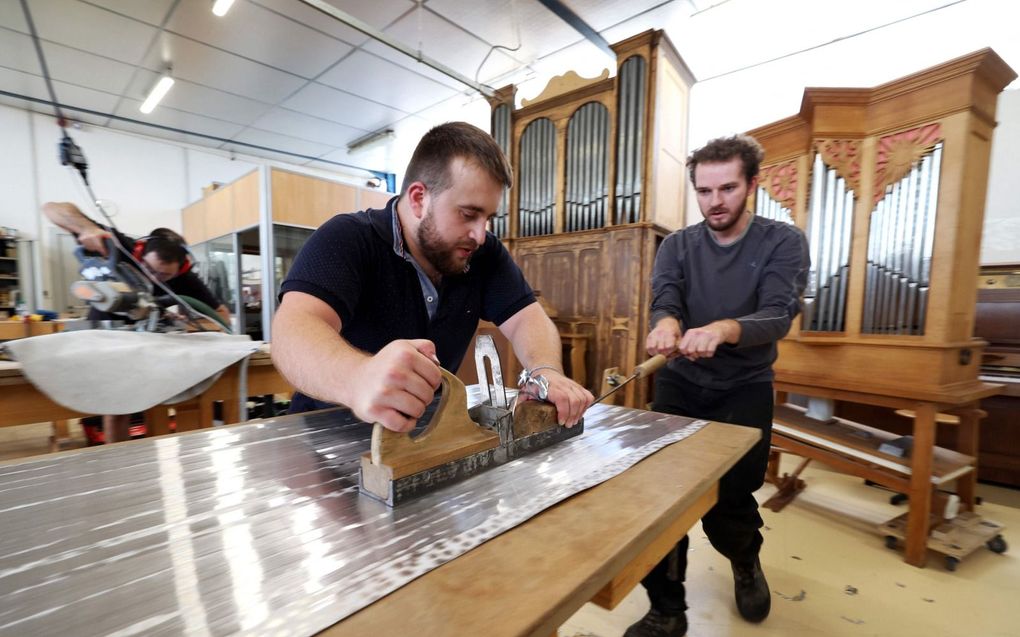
(831, 575)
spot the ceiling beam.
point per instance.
(376, 34)
(579, 25)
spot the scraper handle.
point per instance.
(650, 366)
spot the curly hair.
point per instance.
(430, 163)
(723, 149)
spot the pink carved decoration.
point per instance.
(897, 154)
(844, 156)
(780, 181)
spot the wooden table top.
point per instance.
(529, 580)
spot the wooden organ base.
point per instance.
(919, 475)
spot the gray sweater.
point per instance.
(758, 280)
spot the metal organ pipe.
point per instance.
(900, 245)
(830, 227)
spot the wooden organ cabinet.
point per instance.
(599, 181)
(889, 185)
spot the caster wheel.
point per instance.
(997, 544)
(951, 563)
(890, 542)
(898, 498)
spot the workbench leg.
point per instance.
(157, 421)
(967, 443)
(920, 484)
(59, 433)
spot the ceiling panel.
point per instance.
(86, 69)
(527, 25)
(265, 37)
(603, 14)
(384, 82)
(378, 13)
(166, 116)
(344, 108)
(67, 94)
(18, 52)
(152, 12)
(211, 67)
(287, 122)
(89, 28)
(200, 100)
(281, 142)
(396, 57)
(444, 42)
(12, 16)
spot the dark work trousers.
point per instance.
(732, 524)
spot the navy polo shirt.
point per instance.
(350, 263)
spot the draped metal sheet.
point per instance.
(901, 240)
(631, 88)
(538, 178)
(830, 228)
(259, 529)
(501, 133)
(587, 167)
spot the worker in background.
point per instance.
(724, 291)
(163, 253)
(377, 300)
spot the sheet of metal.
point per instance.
(258, 528)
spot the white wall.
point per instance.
(143, 181)
(1001, 241)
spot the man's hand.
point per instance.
(94, 239)
(571, 399)
(701, 342)
(664, 338)
(395, 386)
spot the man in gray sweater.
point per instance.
(724, 291)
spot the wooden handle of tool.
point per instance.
(449, 435)
(650, 366)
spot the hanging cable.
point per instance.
(70, 154)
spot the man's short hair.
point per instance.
(167, 233)
(431, 161)
(723, 149)
(168, 250)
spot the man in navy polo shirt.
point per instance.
(377, 300)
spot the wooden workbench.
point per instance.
(594, 546)
(21, 403)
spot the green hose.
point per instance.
(205, 310)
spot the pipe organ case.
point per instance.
(599, 181)
(889, 185)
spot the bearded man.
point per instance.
(377, 300)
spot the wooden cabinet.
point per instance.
(599, 181)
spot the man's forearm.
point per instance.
(310, 355)
(69, 217)
(535, 340)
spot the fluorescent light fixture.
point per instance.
(371, 138)
(157, 93)
(220, 7)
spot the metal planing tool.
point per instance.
(459, 442)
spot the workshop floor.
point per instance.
(831, 575)
(829, 571)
